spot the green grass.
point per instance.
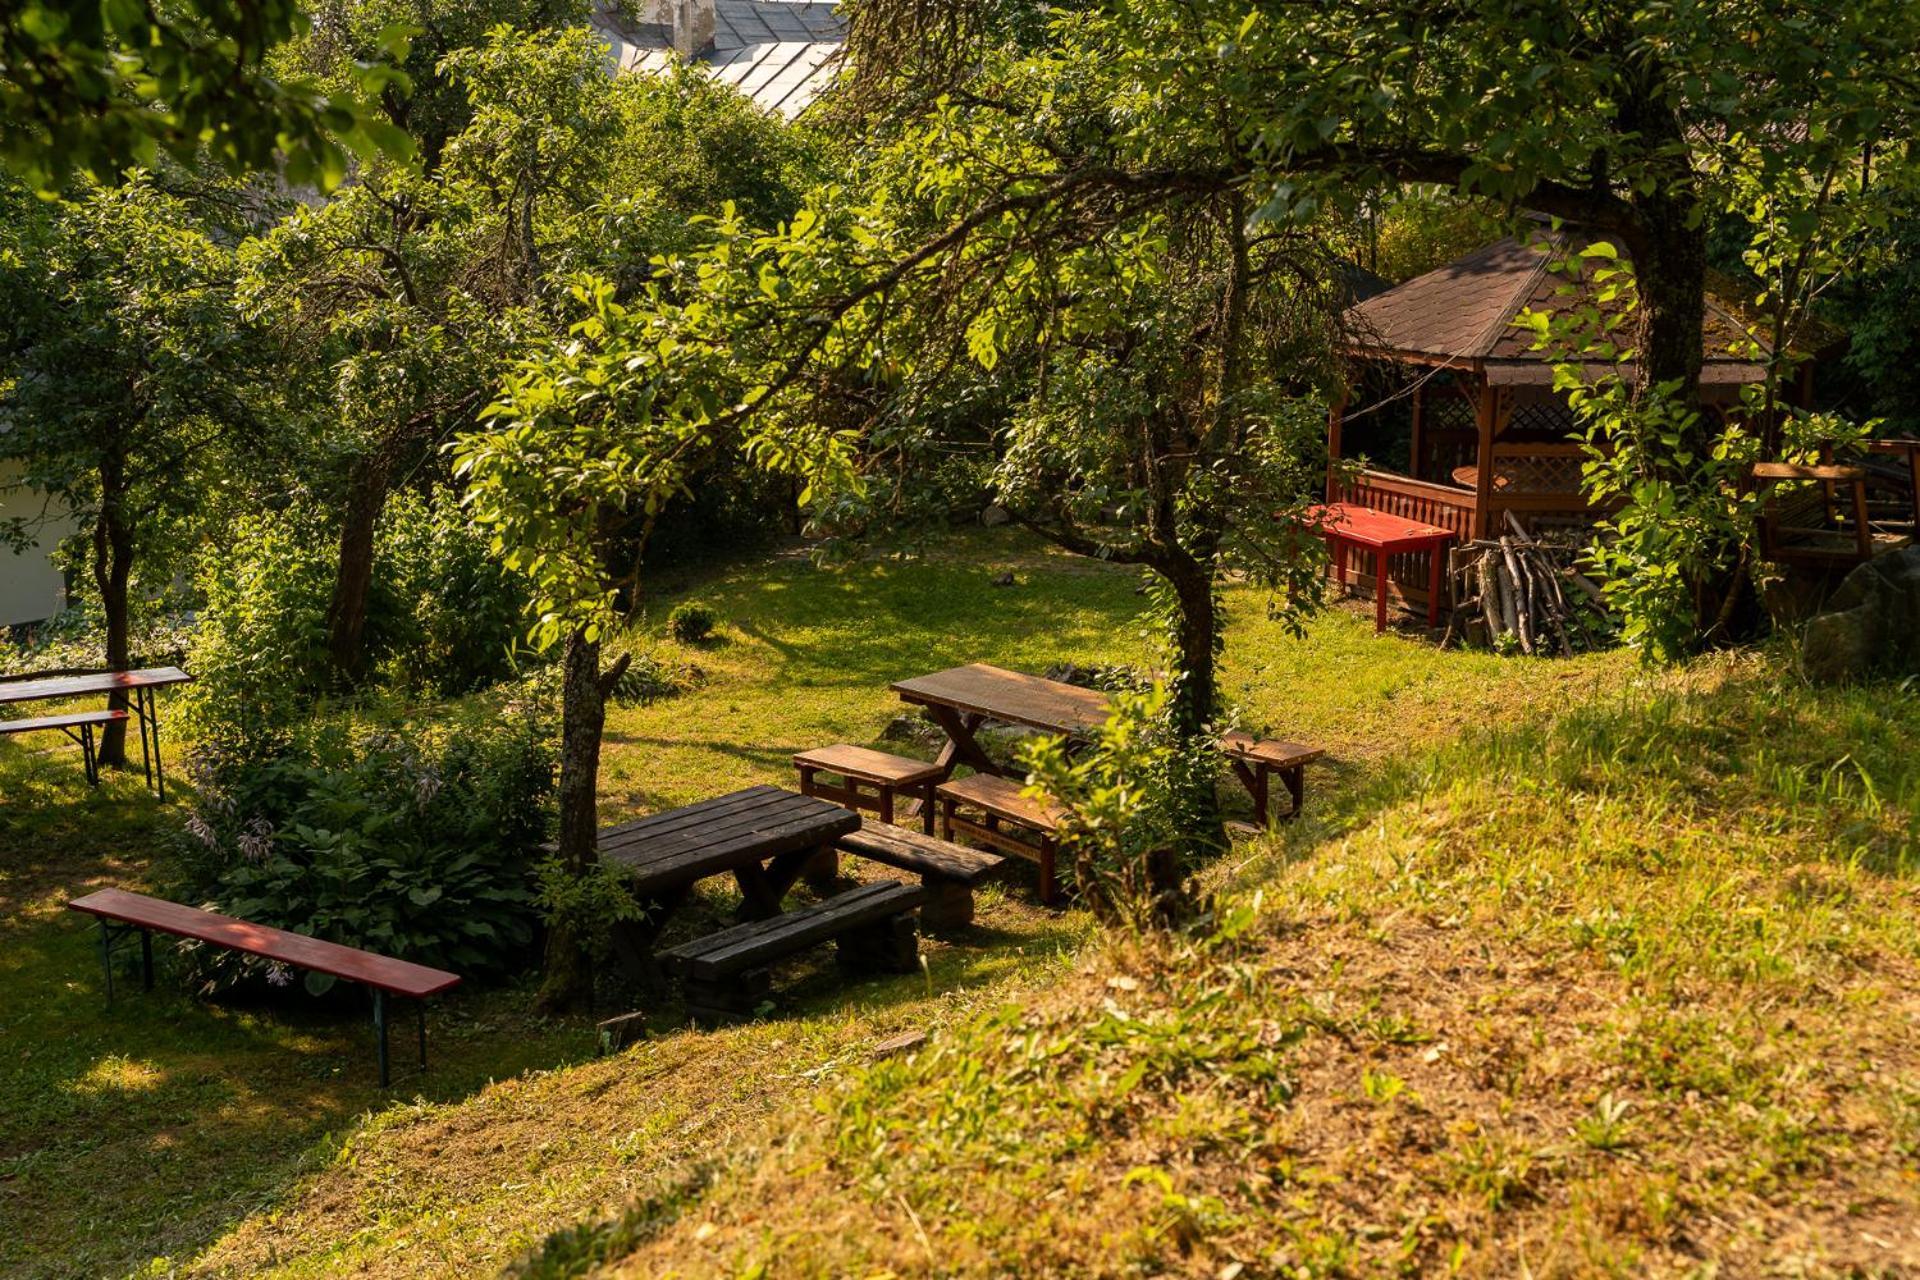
(1623, 991)
(1450, 889)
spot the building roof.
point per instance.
(1463, 314)
(779, 53)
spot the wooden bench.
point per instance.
(947, 871)
(725, 976)
(999, 800)
(1809, 525)
(79, 727)
(121, 913)
(886, 776)
(1256, 761)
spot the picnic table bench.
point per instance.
(763, 836)
(725, 975)
(947, 871)
(79, 726)
(139, 685)
(1256, 761)
(121, 913)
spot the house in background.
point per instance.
(779, 53)
(31, 589)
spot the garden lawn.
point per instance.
(1629, 991)
(245, 1140)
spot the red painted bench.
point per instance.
(121, 913)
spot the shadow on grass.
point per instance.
(148, 1127)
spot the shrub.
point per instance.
(419, 844)
(459, 610)
(1121, 796)
(442, 616)
(692, 622)
(649, 677)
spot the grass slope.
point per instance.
(1629, 991)
(244, 1141)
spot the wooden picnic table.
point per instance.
(1345, 524)
(762, 836)
(141, 685)
(962, 699)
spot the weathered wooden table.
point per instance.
(962, 699)
(763, 836)
(140, 685)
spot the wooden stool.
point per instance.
(999, 800)
(1255, 761)
(858, 767)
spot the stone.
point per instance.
(1003, 579)
(995, 515)
(894, 1046)
(912, 730)
(1872, 623)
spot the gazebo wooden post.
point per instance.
(1416, 459)
(1483, 415)
(1335, 412)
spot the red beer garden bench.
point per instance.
(121, 913)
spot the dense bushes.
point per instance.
(443, 615)
(419, 843)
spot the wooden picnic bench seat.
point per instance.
(121, 913)
(947, 871)
(79, 726)
(1256, 761)
(999, 800)
(870, 780)
(724, 976)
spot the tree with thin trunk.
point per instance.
(128, 378)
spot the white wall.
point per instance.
(30, 587)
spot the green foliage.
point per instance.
(94, 87)
(457, 609)
(587, 903)
(419, 844)
(443, 615)
(129, 380)
(691, 622)
(1127, 805)
(652, 677)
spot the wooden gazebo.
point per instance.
(1453, 415)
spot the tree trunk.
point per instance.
(112, 576)
(353, 581)
(1194, 702)
(568, 982)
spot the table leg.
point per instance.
(159, 766)
(380, 1032)
(420, 1015)
(633, 939)
(961, 747)
(1433, 587)
(1380, 590)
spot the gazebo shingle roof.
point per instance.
(1463, 314)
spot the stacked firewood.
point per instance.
(1517, 592)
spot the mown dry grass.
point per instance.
(1628, 993)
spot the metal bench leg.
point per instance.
(146, 960)
(159, 766)
(380, 1031)
(106, 957)
(420, 1014)
(87, 757)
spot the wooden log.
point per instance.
(617, 1033)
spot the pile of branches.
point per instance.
(1517, 592)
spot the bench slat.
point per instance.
(73, 721)
(399, 977)
(1002, 798)
(760, 942)
(868, 765)
(923, 855)
(1268, 751)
